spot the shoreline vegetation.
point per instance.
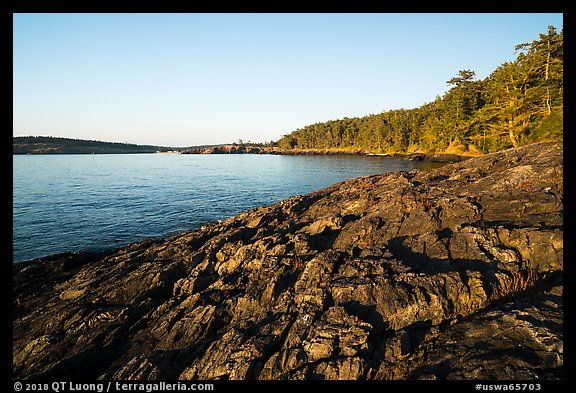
(250, 149)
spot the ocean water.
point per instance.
(94, 202)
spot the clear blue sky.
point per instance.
(190, 79)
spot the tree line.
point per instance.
(521, 102)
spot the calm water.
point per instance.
(94, 202)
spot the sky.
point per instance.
(192, 79)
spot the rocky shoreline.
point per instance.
(249, 149)
(452, 273)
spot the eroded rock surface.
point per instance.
(435, 274)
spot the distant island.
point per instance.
(55, 145)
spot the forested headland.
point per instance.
(521, 102)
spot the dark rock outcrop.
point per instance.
(454, 273)
(432, 157)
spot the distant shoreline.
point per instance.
(403, 156)
(50, 145)
(249, 149)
